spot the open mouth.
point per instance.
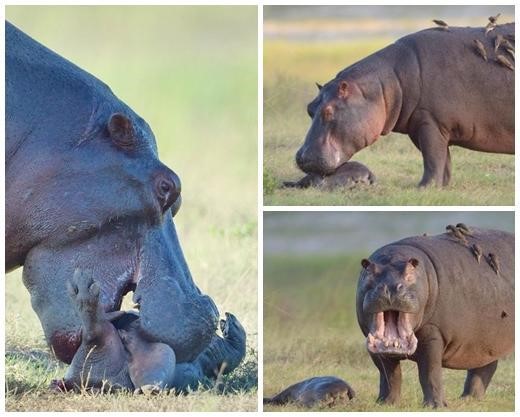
(392, 334)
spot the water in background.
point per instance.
(332, 23)
(324, 233)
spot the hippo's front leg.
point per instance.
(434, 148)
(429, 361)
(389, 379)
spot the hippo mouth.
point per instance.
(392, 334)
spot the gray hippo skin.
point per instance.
(327, 390)
(85, 190)
(347, 175)
(432, 85)
(442, 302)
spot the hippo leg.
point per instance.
(429, 362)
(447, 169)
(478, 380)
(101, 361)
(389, 379)
(434, 149)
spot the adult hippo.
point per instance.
(85, 190)
(433, 85)
(441, 301)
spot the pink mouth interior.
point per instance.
(392, 333)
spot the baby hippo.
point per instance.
(347, 175)
(326, 390)
(114, 354)
(152, 366)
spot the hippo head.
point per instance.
(102, 201)
(346, 117)
(389, 305)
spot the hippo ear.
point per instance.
(319, 86)
(365, 263)
(409, 270)
(121, 129)
(343, 89)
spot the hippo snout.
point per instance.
(317, 162)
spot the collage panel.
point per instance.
(388, 105)
(124, 288)
(162, 245)
(388, 311)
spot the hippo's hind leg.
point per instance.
(447, 169)
(478, 380)
(434, 148)
(389, 379)
(84, 293)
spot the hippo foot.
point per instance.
(60, 386)
(435, 403)
(150, 389)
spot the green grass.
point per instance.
(191, 72)
(310, 329)
(290, 71)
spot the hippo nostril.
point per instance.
(167, 189)
(165, 186)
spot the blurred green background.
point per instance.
(191, 73)
(308, 44)
(311, 268)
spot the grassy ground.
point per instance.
(191, 72)
(310, 329)
(290, 71)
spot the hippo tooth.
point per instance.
(371, 338)
(387, 343)
(396, 344)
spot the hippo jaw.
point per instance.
(391, 333)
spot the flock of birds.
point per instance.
(500, 41)
(460, 232)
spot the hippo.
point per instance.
(347, 175)
(114, 353)
(436, 301)
(433, 85)
(85, 190)
(326, 390)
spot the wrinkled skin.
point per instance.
(325, 390)
(431, 85)
(430, 299)
(85, 189)
(347, 175)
